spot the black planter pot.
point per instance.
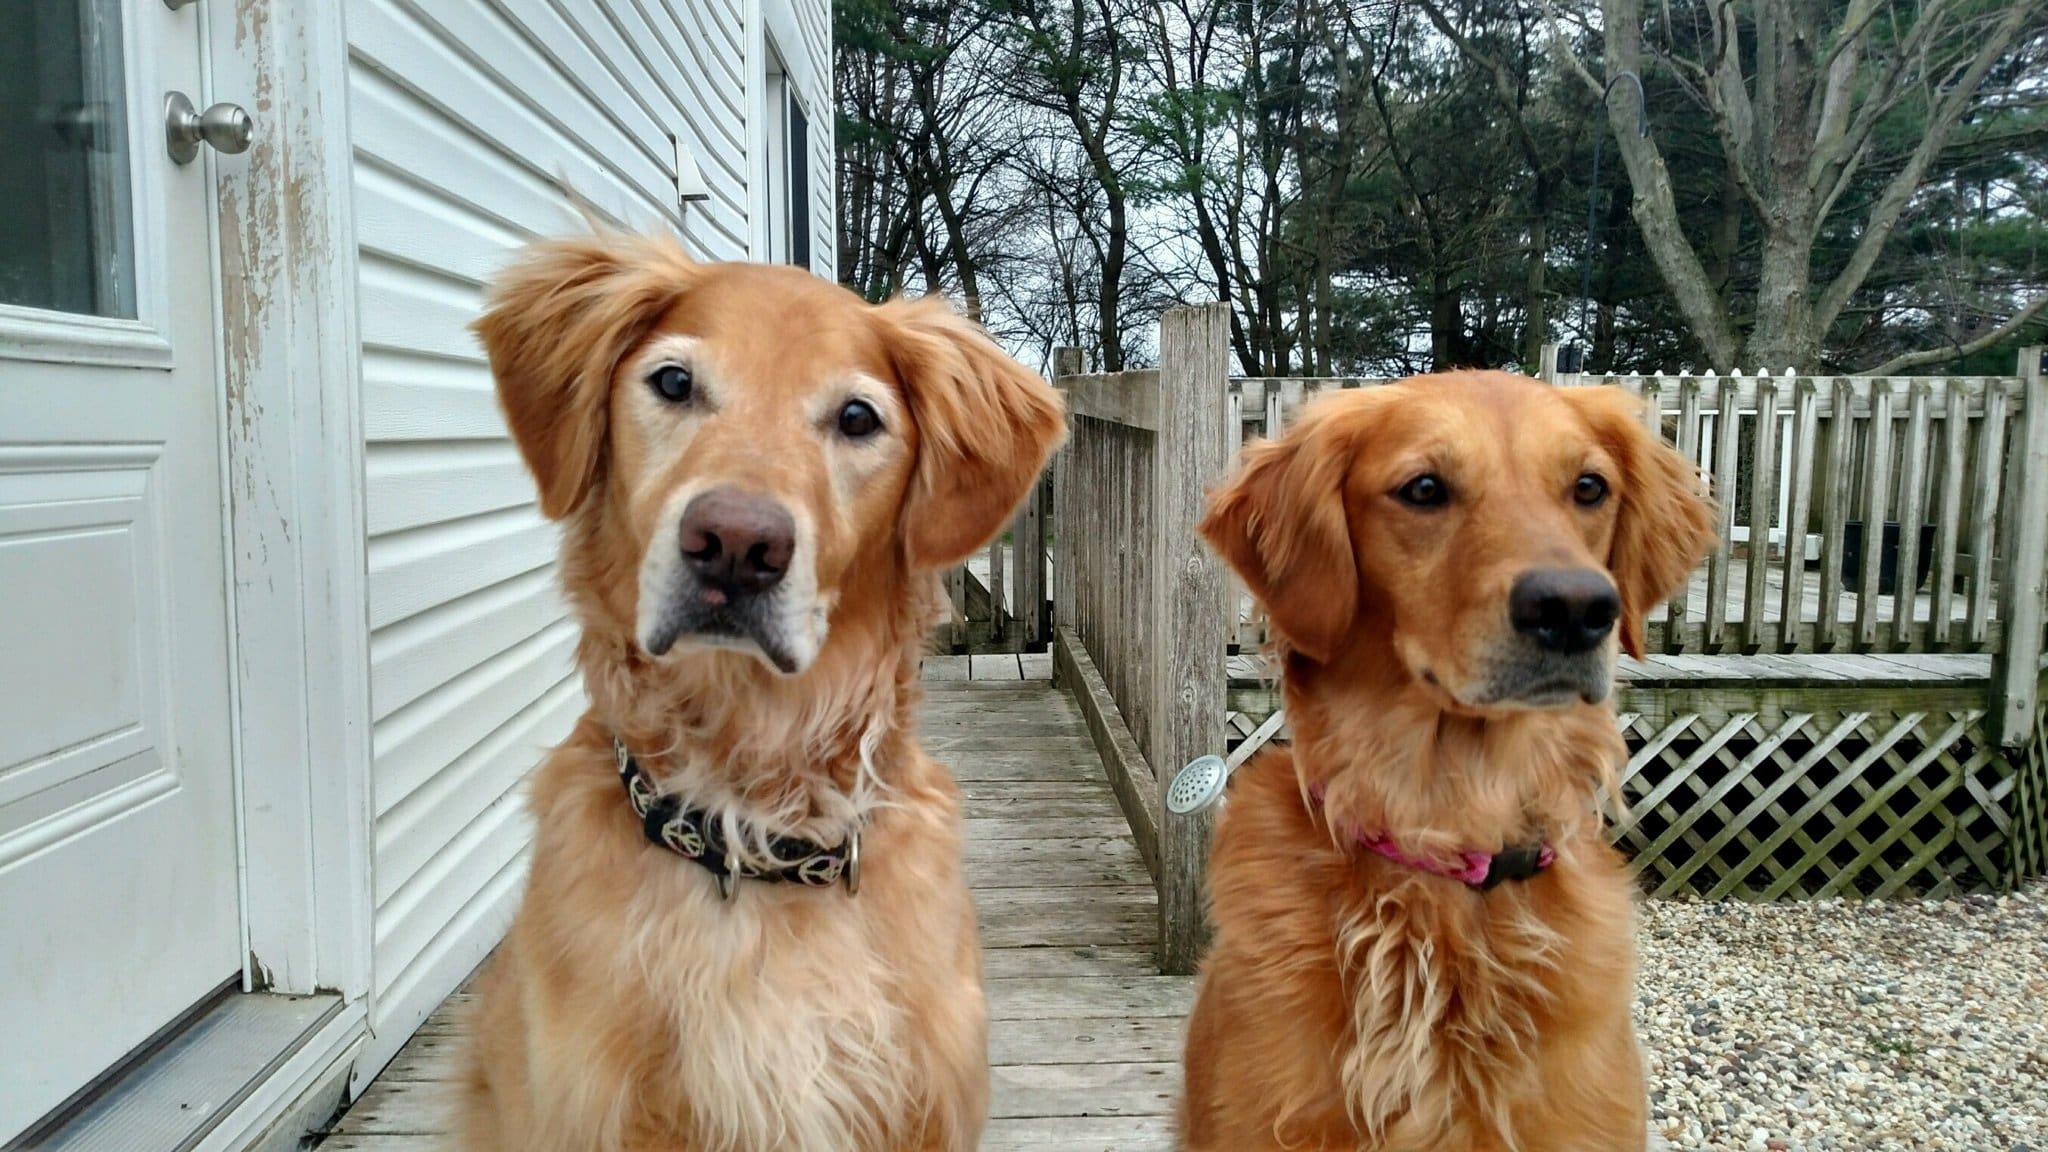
(1887, 557)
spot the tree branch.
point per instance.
(1897, 364)
(1655, 205)
(1942, 119)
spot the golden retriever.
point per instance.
(758, 476)
(1446, 563)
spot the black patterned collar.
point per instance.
(696, 835)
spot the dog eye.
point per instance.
(1590, 491)
(859, 420)
(1425, 491)
(671, 382)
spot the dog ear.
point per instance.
(1281, 524)
(985, 428)
(556, 325)
(1665, 523)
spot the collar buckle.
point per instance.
(1516, 862)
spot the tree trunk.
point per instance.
(1535, 290)
(1655, 206)
(1109, 303)
(1446, 326)
(1784, 335)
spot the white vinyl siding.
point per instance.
(464, 119)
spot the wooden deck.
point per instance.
(1084, 1036)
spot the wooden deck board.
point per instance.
(1084, 1036)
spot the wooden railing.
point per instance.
(1829, 455)
(1141, 607)
(999, 604)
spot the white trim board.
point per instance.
(286, 243)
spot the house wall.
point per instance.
(463, 116)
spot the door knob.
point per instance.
(226, 127)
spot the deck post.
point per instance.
(2016, 664)
(1066, 364)
(1027, 550)
(1191, 615)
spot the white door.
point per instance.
(119, 906)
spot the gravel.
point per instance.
(1848, 1025)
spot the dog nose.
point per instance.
(1564, 609)
(737, 542)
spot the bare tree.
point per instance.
(1799, 93)
(1074, 56)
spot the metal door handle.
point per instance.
(226, 127)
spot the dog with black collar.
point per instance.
(746, 925)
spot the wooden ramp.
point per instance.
(1084, 1036)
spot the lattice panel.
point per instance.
(2030, 799)
(1848, 803)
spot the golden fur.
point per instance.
(1352, 1002)
(631, 1008)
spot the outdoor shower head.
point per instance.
(1197, 786)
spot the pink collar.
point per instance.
(1474, 869)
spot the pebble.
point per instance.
(1847, 1026)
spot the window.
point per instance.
(787, 169)
(800, 183)
(65, 234)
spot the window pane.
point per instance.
(65, 230)
(799, 184)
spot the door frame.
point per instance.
(285, 251)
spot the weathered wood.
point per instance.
(1191, 628)
(1108, 997)
(1967, 393)
(1833, 515)
(1066, 363)
(998, 589)
(1001, 666)
(1130, 777)
(1029, 827)
(1688, 443)
(1277, 401)
(1027, 539)
(1071, 961)
(1990, 451)
(1805, 427)
(1131, 399)
(1955, 447)
(1088, 1041)
(1727, 475)
(1763, 502)
(954, 632)
(1077, 1134)
(1912, 505)
(1044, 860)
(2018, 664)
(1877, 484)
(1072, 1089)
(1057, 917)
